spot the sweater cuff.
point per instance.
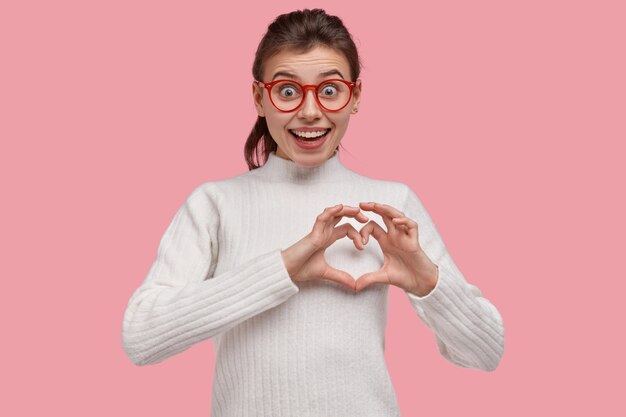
(414, 296)
(444, 293)
(270, 268)
(288, 284)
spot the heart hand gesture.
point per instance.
(305, 259)
(405, 263)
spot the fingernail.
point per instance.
(363, 239)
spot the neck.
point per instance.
(281, 169)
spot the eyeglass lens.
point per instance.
(287, 95)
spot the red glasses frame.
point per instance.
(306, 87)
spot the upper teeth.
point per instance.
(309, 134)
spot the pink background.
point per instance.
(506, 118)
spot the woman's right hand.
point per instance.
(305, 260)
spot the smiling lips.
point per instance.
(309, 132)
(309, 129)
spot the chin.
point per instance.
(309, 157)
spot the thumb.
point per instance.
(342, 277)
(370, 278)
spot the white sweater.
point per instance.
(287, 349)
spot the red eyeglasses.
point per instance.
(288, 95)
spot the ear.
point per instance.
(257, 95)
(356, 95)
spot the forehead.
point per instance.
(307, 66)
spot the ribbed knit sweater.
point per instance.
(286, 349)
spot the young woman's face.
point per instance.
(306, 68)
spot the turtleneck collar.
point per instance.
(280, 169)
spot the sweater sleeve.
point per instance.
(468, 329)
(181, 302)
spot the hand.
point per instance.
(405, 263)
(305, 259)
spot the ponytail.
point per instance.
(260, 135)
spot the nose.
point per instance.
(310, 110)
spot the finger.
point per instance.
(337, 220)
(342, 277)
(405, 221)
(384, 209)
(388, 210)
(339, 232)
(378, 209)
(401, 224)
(321, 221)
(349, 211)
(370, 278)
(347, 229)
(374, 229)
(356, 237)
(338, 210)
(408, 225)
(329, 212)
(360, 216)
(330, 216)
(352, 211)
(340, 217)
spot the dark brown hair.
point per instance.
(298, 31)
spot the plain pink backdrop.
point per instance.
(506, 118)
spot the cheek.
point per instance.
(342, 122)
(276, 123)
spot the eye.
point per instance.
(288, 91)
(329, 90)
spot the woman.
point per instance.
(299, 327)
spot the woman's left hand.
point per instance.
(405, 263)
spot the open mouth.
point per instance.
(309, 139)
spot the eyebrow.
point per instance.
(292, 75)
